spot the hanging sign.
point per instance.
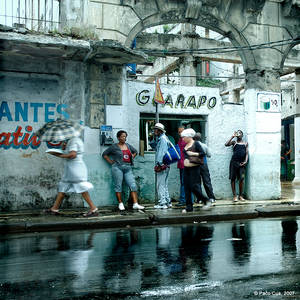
(158, 97)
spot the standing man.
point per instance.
(180, 166)
(238, 163)
(204, 172)
(161, 169)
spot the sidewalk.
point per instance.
(110, 217)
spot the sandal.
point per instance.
(235, 199)
(91, 213)
(52, 212)
(241, 198)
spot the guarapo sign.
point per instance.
(180, 101)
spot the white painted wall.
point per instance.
(222, 120)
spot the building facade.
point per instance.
(75, 70)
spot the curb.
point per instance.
(147, 219)
(266, 212)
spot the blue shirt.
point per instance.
(161, 149)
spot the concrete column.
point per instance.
(188, 29)
(72, 13)
(297, 129)
(188, 68)
(263, 133)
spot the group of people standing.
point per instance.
(192, 167)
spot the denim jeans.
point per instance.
(162, 187)
(120, 172)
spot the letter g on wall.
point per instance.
(142, 99)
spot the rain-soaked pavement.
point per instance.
(255, 259)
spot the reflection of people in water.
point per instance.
(122, 269)
(288, 239)
(195, 247)
(241, 243)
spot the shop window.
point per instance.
(171, 123)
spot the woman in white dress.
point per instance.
(74, 179)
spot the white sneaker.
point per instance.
(213, 201)
(137, 206)
(207, 205)
(121, 206)
(159, 206)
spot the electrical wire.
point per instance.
(201, 76)
(225, 49)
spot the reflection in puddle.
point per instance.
(229, 258)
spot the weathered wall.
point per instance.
(29, 97)
(288, 101)
(222, 120)
(29, 177)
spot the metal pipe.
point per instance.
(39, 7)
(45, 12)
(19, 12)
(88, 55)
(52, 15)
(105, 104)
(5, 8)
(32, 16)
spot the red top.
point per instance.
(181, 144)
(126, 155)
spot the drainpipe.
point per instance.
(105, 104)
(88, 55)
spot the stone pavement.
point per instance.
(110, 217)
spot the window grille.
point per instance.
(36, 15)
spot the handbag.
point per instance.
(188, 164)
(159, 168)
(172, 155)
(195, 159)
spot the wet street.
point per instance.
(255, 259)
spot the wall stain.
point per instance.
(29, 155)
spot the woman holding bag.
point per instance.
(193, 157)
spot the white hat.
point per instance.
(159, 126)
(190, 132)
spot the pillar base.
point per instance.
(296, 181)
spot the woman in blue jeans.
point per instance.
(120, 155)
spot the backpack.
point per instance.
(172, 155)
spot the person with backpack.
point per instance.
(162, 170)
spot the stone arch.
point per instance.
(205, 20)
(287, 51)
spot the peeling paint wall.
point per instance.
(28, 99)
(29, 177)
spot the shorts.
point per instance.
(236, 171)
